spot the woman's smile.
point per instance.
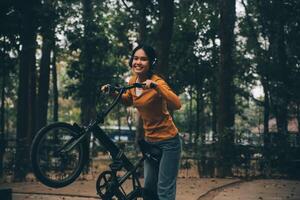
(138, 67)
(140, 63)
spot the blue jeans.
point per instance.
(160, 178)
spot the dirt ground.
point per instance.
(261, 190)
(187, 189)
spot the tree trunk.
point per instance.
(26, 90)
(141, 6)
(214, 93)
(54, 86)
(298, 116)
(226, 92)
(2, 110)
(191, 122)
(2, 122)
(88, 103)
(280, 83)
(282, 119)
(262, 63)
(43, 89)
(88, 91)
(164, 35)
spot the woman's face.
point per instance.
(140, 63)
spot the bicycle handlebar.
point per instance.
(124, 88)
(128, 87)
(120, 90)
(100, 116)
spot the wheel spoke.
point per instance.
(52, 165)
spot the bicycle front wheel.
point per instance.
(52, 165)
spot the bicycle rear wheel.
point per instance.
(51, 166)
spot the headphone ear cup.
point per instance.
(153, 64)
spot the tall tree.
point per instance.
(54, 85)
(226, 105)
(280, 74)
(142, 12)
(9, 45)
(48, 38)
(262, 60)
(88, 102)
(3, 75)
(27, 85)
(164, 34)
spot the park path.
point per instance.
(270, 189)
(187, 189)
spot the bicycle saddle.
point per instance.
(150, 151)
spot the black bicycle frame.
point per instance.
(112, 148)
(93, 127)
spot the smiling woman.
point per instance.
(143, 61)
(152, 102)
(140, 63)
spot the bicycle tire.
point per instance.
(57, 170)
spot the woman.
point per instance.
(152, 102)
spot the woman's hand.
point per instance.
(149, 84)
(105, 88)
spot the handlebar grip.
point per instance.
(139, 85)
(106, 88)
(152, 85)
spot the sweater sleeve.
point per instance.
(127, 96)
(166, 92)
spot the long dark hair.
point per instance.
(151, 54)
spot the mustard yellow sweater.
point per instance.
(152, 105)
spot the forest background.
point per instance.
(216, 54)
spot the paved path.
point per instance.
(187, 189)
(261, 190)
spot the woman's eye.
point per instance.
(142, 59)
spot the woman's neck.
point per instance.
(141, 78)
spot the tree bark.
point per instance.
(190, 116)
(141, 6)
(164, 35)
(261, 68)
(88, 103)
(279, 79)
(2, 109)
(43, 89)
(26, 90)
(262, 63)
(2, 122)
(214, 93)
(279, 52)
(54, 86)
(226, 89)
